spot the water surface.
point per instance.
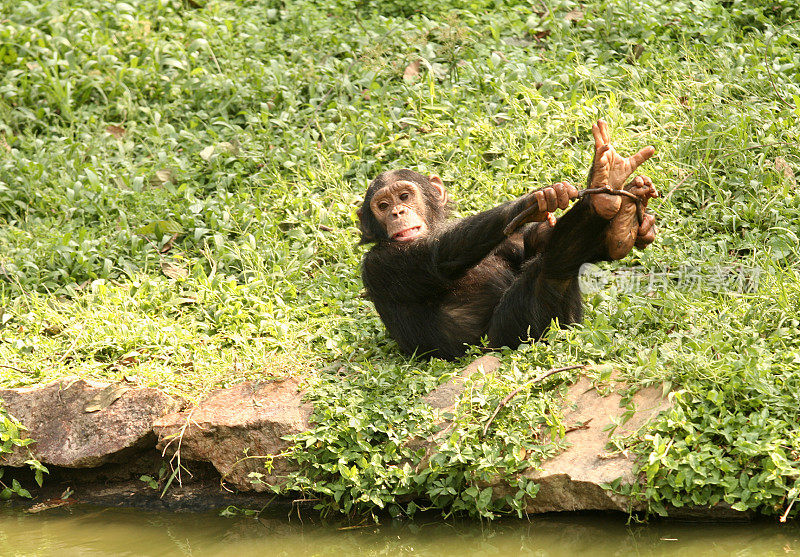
(87, 531)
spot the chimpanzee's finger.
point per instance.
(598, 136)
(648, 222)
(552, 199)
(541, 200)
(641, 156)
(562, 193)
(643, 188)
(652, 192)
(606, 135)
(601, 160)
(572, 191)
(602, 166)
(647, 231)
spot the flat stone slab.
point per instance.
(235, 429)
(573, 479)
(445, 396)
(84, 424)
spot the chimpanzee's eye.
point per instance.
(383, 205)
(404, 196)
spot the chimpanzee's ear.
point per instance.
(438, 185)
(367, 237)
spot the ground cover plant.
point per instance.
(178, 185)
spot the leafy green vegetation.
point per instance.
(178, 184)
(12, 439)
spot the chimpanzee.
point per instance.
(439, 286)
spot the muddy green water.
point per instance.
(93, 532)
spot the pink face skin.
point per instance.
(400, 206)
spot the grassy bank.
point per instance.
(178, 185)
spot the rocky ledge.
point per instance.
(99, 438)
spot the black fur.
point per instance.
(466, 280)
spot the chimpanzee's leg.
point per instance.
(547, 287)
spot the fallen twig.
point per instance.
(788, 510)
(14, 368)
(519, 389)
(584, 425)
(358, 526)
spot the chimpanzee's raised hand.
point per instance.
(610, 170)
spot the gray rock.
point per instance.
(236, 428)
(447, 394)
(83, 424)
(573, 479)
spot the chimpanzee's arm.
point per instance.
(401, 274)
(464, 243)
(547, 288)
(578, 238)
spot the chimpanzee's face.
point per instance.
(402, 206)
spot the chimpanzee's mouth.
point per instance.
(408, 234)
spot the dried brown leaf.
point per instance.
(174, 271)
(412, 70)
(52, 330)
(105, 398)
(782, 166)
(169, 244)
(574, 15)
(116, 131)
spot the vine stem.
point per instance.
(14, 368)
(517, 221)
(788, 510)
(519, 389)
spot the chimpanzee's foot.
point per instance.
(610, 170)
(625, 229)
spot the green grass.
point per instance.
(244, 134)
